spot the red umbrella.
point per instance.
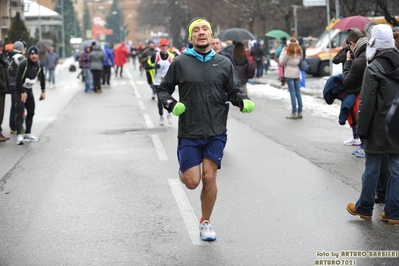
(351, 22)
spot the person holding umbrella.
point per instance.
(259, 56)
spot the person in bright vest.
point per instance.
(158, 65)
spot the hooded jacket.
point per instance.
(203, 80)
(120, 55)
(84, 58)
(379, 87)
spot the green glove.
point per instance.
(179, 109)
(248, 106)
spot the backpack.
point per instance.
(251, 69)
(13, 62)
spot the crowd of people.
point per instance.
(370, 77)
(18, 74)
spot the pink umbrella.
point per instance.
(351, 22)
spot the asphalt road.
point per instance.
(101, 188)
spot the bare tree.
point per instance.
(388, 7)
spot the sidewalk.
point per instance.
(314, 85)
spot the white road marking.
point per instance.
(148, 121)
(135, 90)
(141, 104)
(187, 212)
(162, 155)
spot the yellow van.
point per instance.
(318, 55)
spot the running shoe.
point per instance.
(360, 153)
(161, 120)
(13, 131)
(352, 142)
(30, 137)
(20, 139)
(206, 231)
(169, 118)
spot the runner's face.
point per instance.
(216, 46)
(201, 36)
(34, 57)
(164, 48)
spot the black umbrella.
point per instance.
(87, 43)
(236, 34)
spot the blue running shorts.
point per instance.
(190, 152)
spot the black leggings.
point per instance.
(96, 79)
(20, 107)
(116, 70)
(160, 105)
(106, 74)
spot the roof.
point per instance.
(34, 11)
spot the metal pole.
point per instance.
(295, 21)
(337, 9)
(63, 29)
(40, 20)
(329, 34)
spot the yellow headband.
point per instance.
(196, 22)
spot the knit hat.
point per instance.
(381, 37)
(33, 50)
(18, 46)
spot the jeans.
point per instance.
(88, 79)
(259, 69)
(392, 191)
(370, 177)
(295, 93)
(51, 75)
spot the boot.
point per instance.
(292, 116)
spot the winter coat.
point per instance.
(203, 83)
(120, 55)
(354, 69)
(84, 58)
(257, 53)
(96, 58)
(109, 57)
(4, 79)
(379, 87)
(14, 58)
(51, 61)
(290, 64)
(242, 68)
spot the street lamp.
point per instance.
(295, 7)
(63, 29)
